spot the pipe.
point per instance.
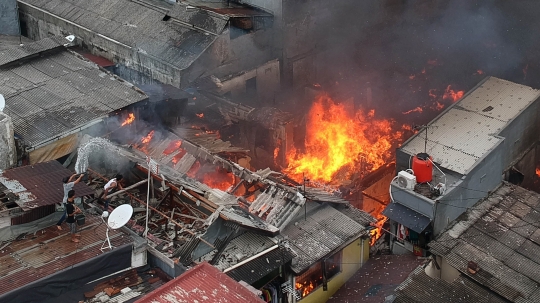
(250, 258)
(362, 253)
(127, 188)
(154, 209)
(390, 189)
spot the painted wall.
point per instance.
(352, 257)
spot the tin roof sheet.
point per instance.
(40, 184)
(202, 283)
(56, 93)
(500, 234)
(466, 132)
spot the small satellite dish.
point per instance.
(118, 218)
(2, 103)
(70, 38)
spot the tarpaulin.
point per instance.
(54, 150)
(54, 286)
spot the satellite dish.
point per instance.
(118, 218)
(2, 103)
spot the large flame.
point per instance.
(450, 94)
(130, 118)
(339, 143)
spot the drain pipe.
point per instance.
(362, 253)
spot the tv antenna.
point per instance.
(425, 127)
(118, 218)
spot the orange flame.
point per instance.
(338, 143)
(479, 72)
(148, 137)
(305, 288)
(418, 109)
(130, 118)
(173, 146)
(201, 115)
(377, 232)
(538, 172)
(450, 94)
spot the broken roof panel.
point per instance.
(502, 244)
(40, 184)
(199, 284)
(54, 94)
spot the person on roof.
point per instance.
(72, 210)
(113, 185)
(68, 185)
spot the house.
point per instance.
(52, 95)
(490, 251)
(29, 193)
(330, 245)
(172, 43)
(459, 157)
(201, 283)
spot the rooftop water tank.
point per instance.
(422, 167)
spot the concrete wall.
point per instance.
(268, 82)
(9, 18)
(352, 260)
(8, 153)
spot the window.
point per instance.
(313, 277)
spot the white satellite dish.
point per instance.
(2, 103)
(118, 218)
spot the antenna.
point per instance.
(118, 218)
(2, 103)
(426, 127)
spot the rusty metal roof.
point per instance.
(40, 184)
(202, 283)
(50, 251)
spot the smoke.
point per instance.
(402, 49)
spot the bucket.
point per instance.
(80, 219)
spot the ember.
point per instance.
(172, 147)
(129, 119)
(418, 109)
(538, 172)
(201, 115)
(450, 94)
(339, 143)
(147, 138)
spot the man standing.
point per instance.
(111, 186)
(71, 211)
(68, 185)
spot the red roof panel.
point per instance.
(202, 283)
(43, 182)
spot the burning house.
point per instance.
(53, 95)
(458, 158)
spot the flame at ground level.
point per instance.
(339, 143)
(538, 172)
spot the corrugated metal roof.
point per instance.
(419, 287)
(322, 231)
(142, 27)
(50, 251)
(40, 184)
(57, 93)
(500, 234)
(10, 53)
(202, 283)
(467, 131)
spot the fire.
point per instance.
(450, 94)
(377, 232)
(216, 177)
(201, 115)
(173, 146)
(479, 72)
(339, 143)
(418, 109)
(538, 172)
(147, 138)
(306, 288)
(437, 106)
(130, 118)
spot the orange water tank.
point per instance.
(422, 167)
